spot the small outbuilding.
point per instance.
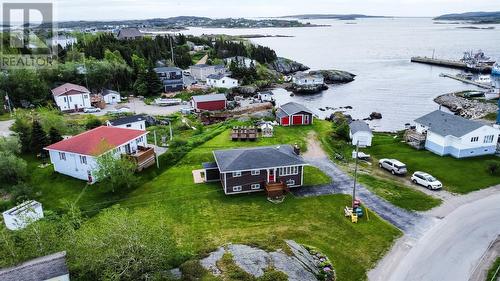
(267, 130)
(20, 216)
(360, 132)
(110, 96)
(211, 102)
(294, 114)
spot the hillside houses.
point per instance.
(201, 71)
(171, 78)
(77, 156)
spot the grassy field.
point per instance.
(204, 218)
(398, 194)
(457, 175)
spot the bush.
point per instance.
(192, 270)
(92, 122)
(12, 169)
(273, 275)
(493, 168)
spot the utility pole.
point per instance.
(355, 174)
(7, 100)
(171, 49)
(156, 154)
(170, 127)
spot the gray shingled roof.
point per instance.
(359, 126)
(106, 92)
(129, 32)
(127, 120)
(211, 97)
(216, 76)
(244, 159)
(445, 124)
(41, 268)
(293, 108)
(167, 69)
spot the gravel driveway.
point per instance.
(5, 128)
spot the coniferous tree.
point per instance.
(54, 135)
(39, 138)
(154, 85)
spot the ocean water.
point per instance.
(378, 51)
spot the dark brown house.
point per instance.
(274, 169)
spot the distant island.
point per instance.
(331, 16)
(182, 22)
(473, 17)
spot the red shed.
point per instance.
(293, 114)
(210, 102)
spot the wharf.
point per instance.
(452, 64)
(467, 81)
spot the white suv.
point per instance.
(393, 166)
(426, 180)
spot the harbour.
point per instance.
(453, 64)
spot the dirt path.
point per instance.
(5, 128)
(203, 60)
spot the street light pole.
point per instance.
(355, 174)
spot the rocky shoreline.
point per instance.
(468, 108)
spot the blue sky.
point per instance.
(140, 9)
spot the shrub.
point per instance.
(92, 122)
(273, 275)
(192, 270)
(493, 167)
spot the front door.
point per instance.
(271, 176)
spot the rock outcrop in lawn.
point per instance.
(302, 265)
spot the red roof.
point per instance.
(69, 89)
(97, 141)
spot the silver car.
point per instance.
(394, 166)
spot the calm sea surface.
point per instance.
(378, 51)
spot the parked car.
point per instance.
(91, 109)
(393, 166)
(426, 180)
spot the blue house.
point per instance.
(171, 77)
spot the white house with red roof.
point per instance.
(71, 97)
(77, 156)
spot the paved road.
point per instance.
(450, 250)
(4, 127)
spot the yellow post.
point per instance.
(354, 218)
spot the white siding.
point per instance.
(72, 102)
(139, 125)
(112, 98)
(225, 82)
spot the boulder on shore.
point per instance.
(287, 66)
(335, 76)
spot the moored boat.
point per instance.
(496, 69)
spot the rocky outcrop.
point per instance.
(335, 76)
(286, 66)
(301, 265)
(468, 108)
(310, 89)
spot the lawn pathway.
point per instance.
(413, 224)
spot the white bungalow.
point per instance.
(306, 79)
(136, 122)
(77, 156)
(71, 97)
(360, 133)
(448, 134)
(221, 81)
(20, 216)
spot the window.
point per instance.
(286, 171)
(474, 139)
(83, 159)
(129, 125)
(290, 182)
(255, 186)
(62, 156)
(65, 99)
(70, 99)
(236, 174)
(237, 188)
(255, 172)
(85, 97)
(489, 139)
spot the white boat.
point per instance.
(492, 94)
(167, 102)
(483, 79)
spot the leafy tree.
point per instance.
(122, 245)
(13, 169)
(10, 145)
(39, 138)
(24, 85)
(54, 135)
(116, 172)
(92, 122)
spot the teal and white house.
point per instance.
(448, 134)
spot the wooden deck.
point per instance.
(144, 157)
(275, 190)
(244, 133)
(415, 139)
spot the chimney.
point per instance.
(296, 149)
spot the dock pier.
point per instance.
(467, 81)
(451, 64)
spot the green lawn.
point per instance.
(204, 217)
(398, 194)
(314, 176)
(457, 175)
(5, 117)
